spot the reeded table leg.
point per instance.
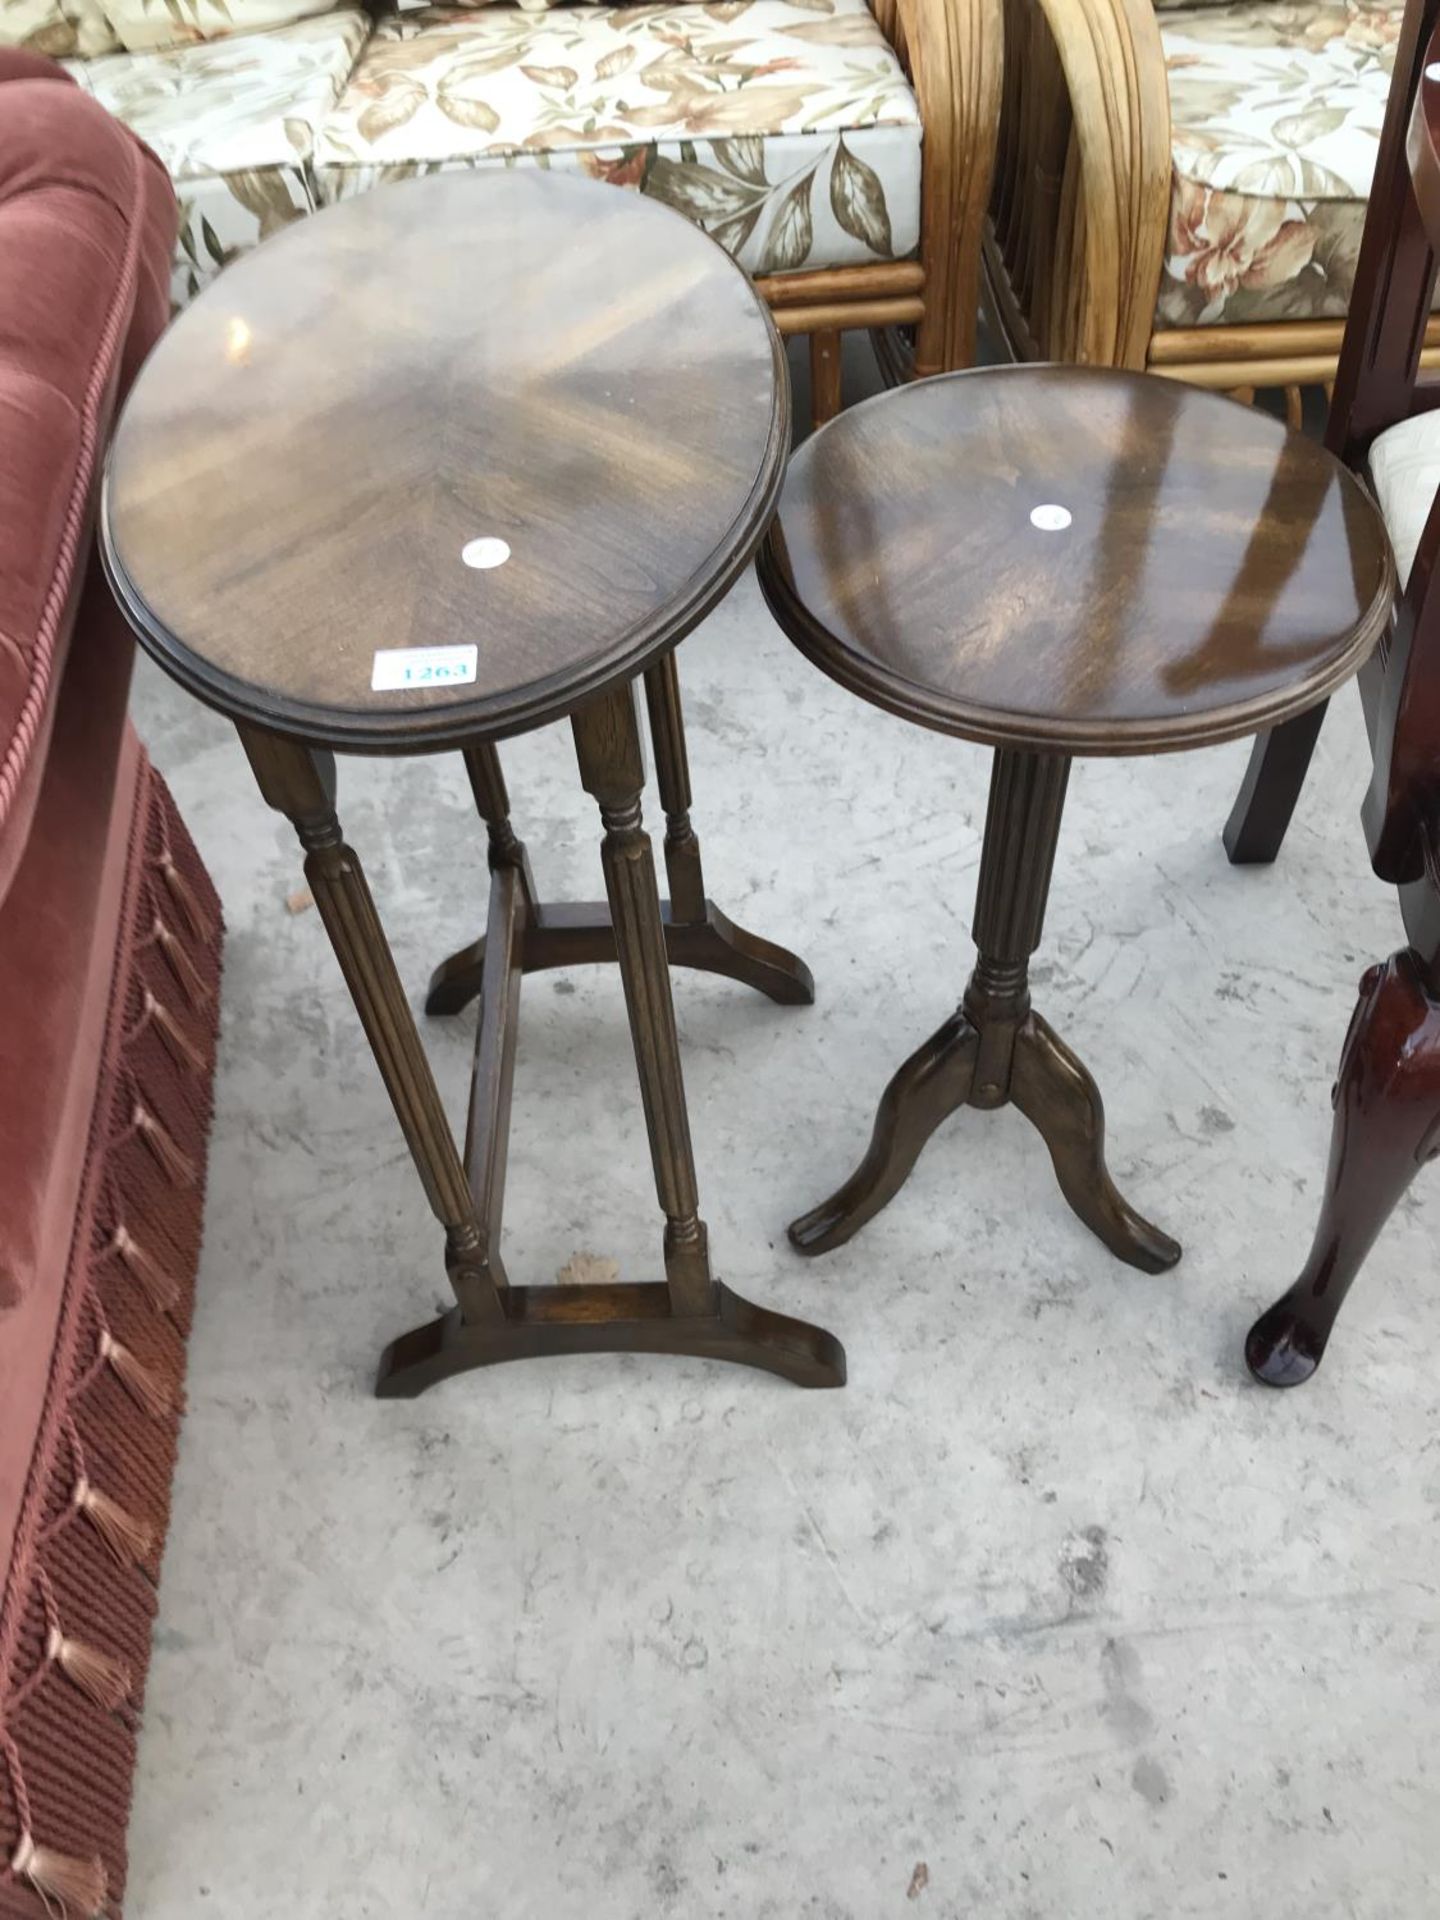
(995, 1050)
(300, 783)
(564, 934)
(607, 743)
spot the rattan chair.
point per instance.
(1184, 189)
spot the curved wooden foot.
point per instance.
(1284, 1347)
(927, 1089)
(1054, 1091)
(612, 1319)
(572, 935)
(717, 945)
(456, 981)
(1261, 814)
(995, 1049)
(1387, 1125)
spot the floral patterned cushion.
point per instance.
(57, 27)
(36, 24)
(785, 128)
(177, 23)
(1276, 110)
(235, 123)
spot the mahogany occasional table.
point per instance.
(452, 460)
(1057, 561)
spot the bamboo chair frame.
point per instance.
(951, 51)
(1074, 243)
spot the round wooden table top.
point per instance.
(1072, 559)
(446, 460)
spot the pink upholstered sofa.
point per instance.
(109, 978)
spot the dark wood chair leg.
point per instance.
(931, 1085)
(1261, 814)
(1056, 1094)
(1387, 1125)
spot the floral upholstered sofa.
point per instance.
(841, 154)
(1193, 199)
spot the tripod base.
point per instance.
(996, 1051)
(1049, 1085)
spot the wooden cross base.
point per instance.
(996, 1050)
(577, 933)
(1025, 1063)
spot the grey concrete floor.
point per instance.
(1049, 1613)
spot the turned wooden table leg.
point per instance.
(612, 770)
(299, 782)
(697, 933)
(672, 774)
(1387, 1126)
(1021, 1059)
(504, 848)
(456, 981)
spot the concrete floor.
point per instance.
(1050, 1613)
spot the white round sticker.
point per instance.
(1050, 518)
(488, 552)
(1432, 72)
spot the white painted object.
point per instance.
(485, 553)
(397, 669)
(1050, 518)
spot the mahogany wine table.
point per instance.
(437, 466)
(1057, 561)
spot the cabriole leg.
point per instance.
(1386, 1127)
